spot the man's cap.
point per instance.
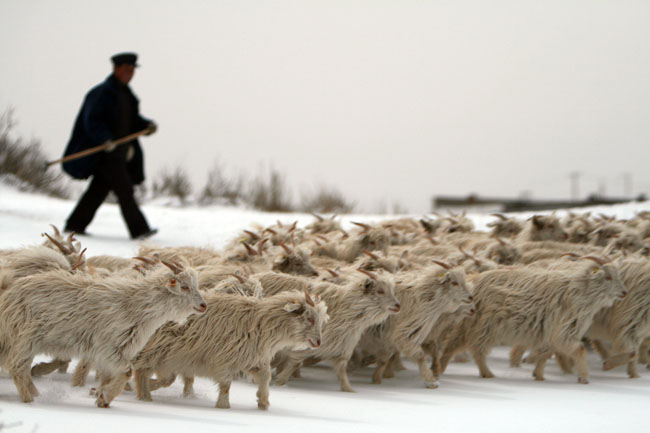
(125, 59)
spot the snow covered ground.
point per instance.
(512, 402)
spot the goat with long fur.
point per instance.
(323, 225)
(424, 298)
(390, 263)
(546, 309)
(29, 261)
(506, 227)
(193, 256)
(543, 228)
(238, 333)
(626, 324)
(370, 238)
(293, 261)
(107, 321)
(362, 303)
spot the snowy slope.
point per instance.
(463, 403)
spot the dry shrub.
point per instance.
(220, 189)
(23, 164)
(326, 200)
(174, 183)
(270, 195)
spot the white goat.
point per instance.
(107, 321)
(238, 333)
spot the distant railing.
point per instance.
(518, 205)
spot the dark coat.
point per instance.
(95, 124)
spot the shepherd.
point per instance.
(109, 112)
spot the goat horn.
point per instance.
(308, 299)
(260, 246)
(318, 217)
(285, 247)
(252, 235)
(574, 255)
(318, 244)
(279, 223)
(368, 273)
(432, 240)
(365, 227)
(293, 241)
(333, 273)
(323, 238)
(595, 259)
(371, 255)
(60, 246)
(249, 250)
(501, 241)
(239, 277)
(146, 260)
(79, 261)
(500, 216)
(271, 231)
(293, 226)
(443, 264)
(56, 230)
(71, 237)
(173, 268)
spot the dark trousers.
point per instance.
(111, 175)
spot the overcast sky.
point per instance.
(388, 101)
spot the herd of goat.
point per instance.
(284, 297)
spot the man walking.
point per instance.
(109, 112)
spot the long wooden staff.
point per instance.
(99, 148)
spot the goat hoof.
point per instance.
(433, 385)
(583, 380)
(100, 402)
(263, 406)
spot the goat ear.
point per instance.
(293, 307)
(366, 285)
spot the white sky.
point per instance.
(387, 101)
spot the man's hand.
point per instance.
(109, 146)
(152, 127)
